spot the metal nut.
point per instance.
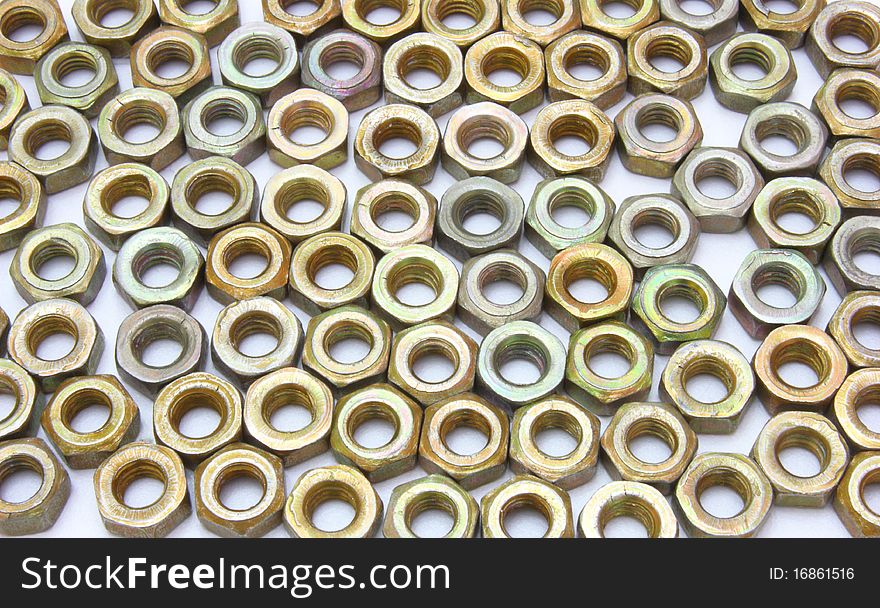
(594, 17)
(357, 92)
(742, 95)
(525, 491)
(17, 183)
(852, 508)
(410, 499)
(387, 196)
(172, 44)
(355, 12)
(791, 27)
(21, 57)
(503, 50)
(628, 499)
(857, 391)
(715, 26)
(242, 146)
(39, 512)
(15, 381)
(15, 104)
(308, 108)
(327, 14)
(428, 52)
(296, 184)
(586, 48)
(89, 14)
(550, 237)
(848, 85)
(397, 120)
(847, 17)
(571, 118)
(88, 98)
(857, 307)
(567, 18)
(666, 39)
(215, 24)
(485, 13)
(855, 236)
(851, 155)
(792, 121)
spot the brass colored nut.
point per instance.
(595, 18)
(424, 51)
(357, 92)
(289, 386)
(479, 195)
(811, 432)
(89, 14)
(355, 15)
(112, 185)
(55, 123)
(81, 284)
(15, 104)
(858, 517)
(199, 389)
(247, 317)
(411, 499)
(789, 120)
(21, 57)
(49, 317)
(469, 411)
(308, 108)
(638, 419)
(327, 14)
(215, 174)
(717, 359)
(391, 121)
(4, 327)
(567, 18)
(654, 209)
(39, 512)
(343, 323)
(337, 482)
(135, 461)
(726, 214)
(744, 95)
(601, 395)
(806, 345)
(666, 39)
(433, 338)
(155, 246)
(715, 26)
(791, 28)
(297, 184)
(88, 450)
(800, 195)
(586, 48)
(414, 264)
(549, 236)
(485, 13)
(491, 121)
(320, 251)
(88, 98)
(857, 307)
(526, 457)
(243, 146)
(525, 491)
(505, 51)
(479, 311)
(849, 85)
(142, 106)
(639, 153)
(592, 261)
(15, 381)
(160, 322)
(841, 18)
(735, 471)
(377, 402)
(249, 238)
(627, 499)
(215, 25)
(856, 235)
(393, 195)
(519, 340)
(172, 44)
(18, 183)
(571, 118)
(687, 281)
(847, 155)
(788, 269)
(240, 460)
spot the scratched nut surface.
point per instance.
(40, 511)
(744, 95)
(627, 499)
(571, 118)
(566, 17)
(27, 401)
(355, 15)
(490, 121)
(789, 27)
(848, 85)
(389, 196)
(715, 26)
(14, 105)
(667, 40)
(586, 48)
(411, 499)
(167, 44)
(848, 155)
(326, 15)
(792, 121)
(645, 12)
(856, 308)
(505, 51)
(525, 491)
(486, 15)
(88, 97)
(860, 520)
(853, 18)
(356, 92)
(118, 38)
(215, 24)
(21, 56)
(856, 235)
(397, 121)
(424, 51)
(308, 108)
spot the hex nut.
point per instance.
(791, 28)
(14, 106)
(849, 501)
(357, 92)
(354, 14)
(410, 499)
(849, 17)
(397, 120)
(856, 392)
(28, 401)
(792, 121)
(21, 57)
(847, 155)
(39, 512)
(567, 18)
(505, 50)
(168, 44)
(392, 195)
(741, 95)
(429, 52)
(857, 307)
(587, 48)
(18, 183)
(215, 25)
(294, 185)
(667, 39)
(254, 41)
(485, 13)
(715, 26)
(844, 85)
(247, 238)
(628, 499)
(855, 235)
(621, 28)
(308, 108)
(327, 14)
(243, 146)
(527, 491)
(88, 15)
(492, 121)
(573, 118)
(88, 98)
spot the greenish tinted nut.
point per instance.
(14, 105)
(88, 98)
(28, 401)
(387, 196)
(81, 284)
(530, 492)
(856, 235)
(39, 512)
(586, 48)
(848, 155)
(789, 27)
(857, 307)
(848, 85)
(842, 18)
(260, 41)
(243, 146)
(18, 183)
(685, 281)
(357, 92)
(491, 121)
(89, 14)
(744, 95)
(519, 340)
(790, 120)
(667, 39)
(429, 52)
(215, 24)
(410, 499)
(715, 26)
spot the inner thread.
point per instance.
(631, 506)
(49, 325)
(131, 472)
(169, 50)
(801, 351)
(254, 323)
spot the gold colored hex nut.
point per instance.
(410, 499)
(567, 18)
(791, 28)
(485, 13)
(504, 50)
(430, 52)
(627, 499)
(527, 491)
(848, 84)
(215, 24)
(741, 95)
(860, 520)
(574, 118)
(842, 18)
(355, 15)
(857, 307)
(21, 419)
(166, 43)
(621, 28)
(21, 57)
(14, 105)
(308, 108)
(490, 120)
(390, 195)
(238, 240)
(326, 15)
(89, 97)
(39, 512)
(584, 47)
(846, 155)
(667, 39)
(397, 120)
(89, 14)
(17, 182)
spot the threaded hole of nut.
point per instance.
(257, 55)
(53, 259)
(659, 123)
(23, 24)
(505, 67)
(127, 196)
(708, 380)
(782, 136)
(800, 363)
(717, 178)
(865, 327)
(159, 344)
(111, 14)
(503, 283)
(521, 361)
(302, 201)
(632, 508)
(48, 139)
(256, 334)
(862, 172)
(21, 477)
(590, 281)
(342, 60)
(803, 452)
(724, 492)
(573, 135)
(11, 196)
(480, 212)
(397, 138)
(651, 441)
(288, 408)
(332, 267)
(609, 356)
(796, 211)
(434, 360)
(75, 69)
(621, 9)
(655, 228)
(682, 301)
(465, 432)
(212, 192)
(331, 505)
(866, 406)
(157, 265)
(139, 122)
(395, 212)
(132, 485)
(854, 34)
(668, 54)
(224, 117)
(484, 137)
(751, 61)
(424, 67)
(586, 62)
(240, 486)
(307, 124)
(348, 342)
(870, 491)
(430, 515)
(858, 100)
(380, 12)
(198, 413)
(572, 209)
(170, 59)
(458, 15)
(86, 411)
(52, 337)
(9, 398)
(540, 13)
(864, 250)
(373, 425)
(405, 280)
(247, 258)
(526, 516)
(556, 434)
(300, 8)
(791, 285)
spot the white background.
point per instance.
(720, 255)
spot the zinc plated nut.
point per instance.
(89, 97)
(160, 322)
(15, 104)
(49, 317)
(857, 307)
(248, 317)
(856, 235)
(327, 14)
(806, 345)
(308, 108)
(411, 499)
(858, 390)
(735, 471)
(849, 85)
(504, 50)
(860, 520)
(88, 16)
(594, 17)
(388, 122)
(549, 236)
(571, 118)
(424, 51)
(669, 40)
(485, 13)
(393, 195)
(841, 18)
(215, 24)
(586, 48)
(484, 120)
(21, 57)
(567, 17)
(717, 359)
(519, 340)
(294, 185)
(377, 402)
(744, 95)
(808, 431)
(289, 386)
(360, 90)
(260, 41)
(20, 184)
(525, 491)
(791, 28)
(166, 44)
(570, 471)
(355, 12)
(55, 123)
(40, 511)
(847, 155)
(465, 411)
(242, 146)
(715, 26)
(601, 395)
(627, 499)
(154, 246)
(87, 450)
(141, 106)
(141, 460)
(243, 239)
(27, 401)
(792, 121)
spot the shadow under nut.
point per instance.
(484, 120)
